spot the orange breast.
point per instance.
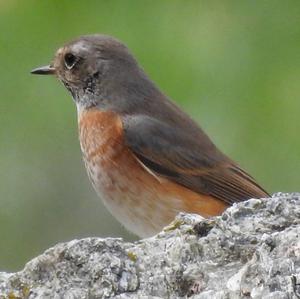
(142, 201)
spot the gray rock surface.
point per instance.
(251, 251)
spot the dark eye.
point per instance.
(70, 60)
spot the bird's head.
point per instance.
(90, 65)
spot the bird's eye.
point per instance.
(70, 60)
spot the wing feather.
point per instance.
(189, 160)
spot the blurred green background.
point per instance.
(233, 65)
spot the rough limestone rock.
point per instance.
(251, 251)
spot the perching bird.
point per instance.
(146, 158)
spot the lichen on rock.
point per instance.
(251, 251)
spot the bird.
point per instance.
(146, 158)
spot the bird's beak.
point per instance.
(44, 70)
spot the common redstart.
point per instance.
(146, 158)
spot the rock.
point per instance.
(251, 251)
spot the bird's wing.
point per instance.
(187, 160)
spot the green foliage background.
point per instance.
(233, 65)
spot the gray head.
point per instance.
(98, 70)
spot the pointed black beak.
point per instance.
(44, 70)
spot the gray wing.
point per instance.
(190, 160)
